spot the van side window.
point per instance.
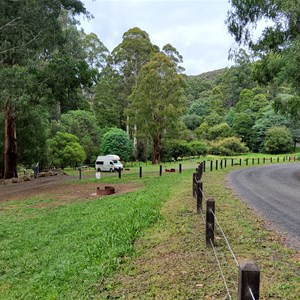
(99, 162)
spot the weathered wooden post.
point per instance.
(232, 162)
(204, 166)
(271, 159)
(248, 281)
(180, 168)
(200, 168)
(225, 163)
(141, 172)
(210, 222)
(199, 195)
(80, 173)
(252, 160)
(278, 159)
(119, 170)
(221, 164)
(240, 161)
(258, 161)
(160, 170)
(264, 160)
(211, 165)
(194, 183)
(217, 165)
(246, 161)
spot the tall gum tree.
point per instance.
(28, 30)
(128, 57)
(280, 40)
(157, 101)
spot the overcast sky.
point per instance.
(195, 28)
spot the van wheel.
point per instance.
(110, 170)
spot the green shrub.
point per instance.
(228, 146)
(198, 148)
(175, 148)
(116, 141)
(278, 140)
(218, 131)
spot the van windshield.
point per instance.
(115, 161)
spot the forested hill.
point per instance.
(210, 75)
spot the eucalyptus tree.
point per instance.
(29, 30)
(157, 101)
(280, 40)
(128, 57)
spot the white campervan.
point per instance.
(108, 163)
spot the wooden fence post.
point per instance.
(194, 183)
(200, 168)
(204, 166)
(141, 172)
(160, 170)
(258, 161)
(210, 222)
(240, 161)
(232, 162)
(217, 165)
(221, 164)
(225, 163)
(180, 168)
(248, 281)
(246, 161)
(211, 165)
(199, 195)
(252, 160)
(119, 170)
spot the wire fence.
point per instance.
(240, 279)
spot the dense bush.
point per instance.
(228, 146)
(65, 150)
(278, 140)
(218, 131)
(198, 148)
(116, 141)
(173, 149)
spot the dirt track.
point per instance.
(274, 192)
(55, 184)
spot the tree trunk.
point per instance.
(10, 145)
(156, 149)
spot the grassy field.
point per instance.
(114, 248)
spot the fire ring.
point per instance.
(108, 190)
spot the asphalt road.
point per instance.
(274, 192)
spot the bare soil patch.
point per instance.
(55, 187)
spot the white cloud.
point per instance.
(195, 27)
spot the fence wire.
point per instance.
(224, 260)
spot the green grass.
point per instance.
(61, 252)
(65, 252)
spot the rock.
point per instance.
(26, 178)
(14, 180)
